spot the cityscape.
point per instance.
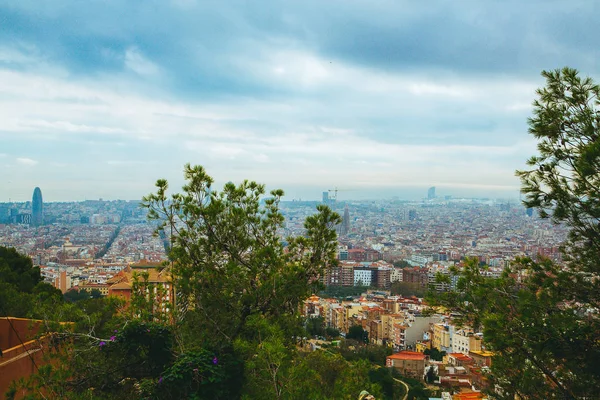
(299, 200)
(95, 245)
(87, 238)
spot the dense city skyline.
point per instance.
(299, 200)
(387, 99)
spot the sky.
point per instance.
(99, 99)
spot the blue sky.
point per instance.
(386, 98)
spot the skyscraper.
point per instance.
(325, 197)
(37, 208)
(431, 193)
(346, 221)
(343, 227)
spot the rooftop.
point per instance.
(407, 355)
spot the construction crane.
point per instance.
(334, 198)
(335, 191)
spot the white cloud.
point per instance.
(261, 158)
(67, 126)
(426, 88)
(15, 55)
(125, 162)
(138, 63)
(323, 137)
(26, 161)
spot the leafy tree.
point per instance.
(401, 264)
(332, 333)
(315, 326)
(267, 359)
(229, 260)
(149, 301)
(408, 289)
(431, 376)
(383, 377)
(353, 350)
(323, 375)
(74, 295)
(417, 390)
(231, 333)
(343, 291)
(21, 286)
(18, 270)
(539, 318)
(435, 354)
(357, 333)
(564, 184)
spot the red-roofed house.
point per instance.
(459, 359)
(408, 363)
(468, 396)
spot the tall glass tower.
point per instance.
(37, 208)
(346, 221)
(431, 193)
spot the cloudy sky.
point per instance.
(383, 98)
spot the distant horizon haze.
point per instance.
(101, 100)
(304, 194)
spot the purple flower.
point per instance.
(113, 338)
(215, 360)
(116, 331)
(103, 343)
(160, 380)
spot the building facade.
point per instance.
(37, 208)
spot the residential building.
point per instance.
(408, 363)
(442, 337)
(465, 340)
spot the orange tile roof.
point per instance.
(482, 353)
(407, 355)
(122, 285)
(460, 356)
(468, 396)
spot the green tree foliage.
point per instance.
(431, 376)
(274, 370)
(21, 286)
(315, 326)
(148, 301)
(435, 354)
(18, 270)
(332, 333)
(564, 183)
(408, 289)
(357, 333)
(322, 375)
(233, 331)
(74, 295)
(353, 350)
(402, 264)
(383, 378)
(229, 260)
(540, 318)
(417, 390)
(333, 291)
